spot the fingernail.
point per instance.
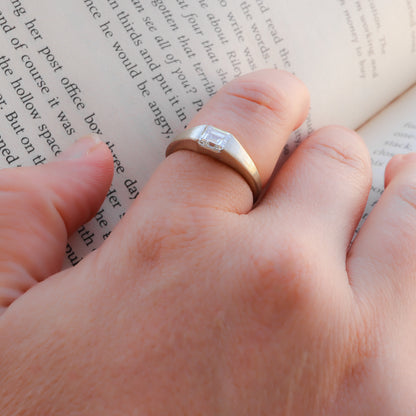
(81, 148)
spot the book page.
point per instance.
(390, 133)
(136, 71)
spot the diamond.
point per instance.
(214, 139)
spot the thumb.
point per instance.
(41, 206)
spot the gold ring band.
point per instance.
(222, 146)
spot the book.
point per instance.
(136, 71)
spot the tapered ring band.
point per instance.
(222, 146)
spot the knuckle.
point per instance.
(282, 278)
(258, 99)
(17, 185)
(342, 146)
(406, 191)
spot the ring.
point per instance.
(222, 146)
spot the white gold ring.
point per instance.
(222, 146)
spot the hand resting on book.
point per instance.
(199, 303)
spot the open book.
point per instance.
(136, 71)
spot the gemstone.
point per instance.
(214, 139)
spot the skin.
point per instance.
(199, 304)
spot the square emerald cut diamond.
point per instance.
(214, 139)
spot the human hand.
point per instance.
(199, 304)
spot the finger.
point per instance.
(260, 110)
(383, 255)
(322, 189)
(41, 206)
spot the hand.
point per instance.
(199, 304)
